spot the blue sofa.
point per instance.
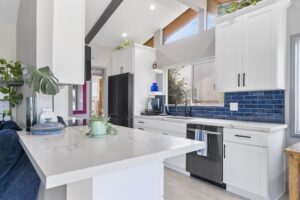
(18, 179)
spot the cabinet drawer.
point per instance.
(245, 137)
(161, 125)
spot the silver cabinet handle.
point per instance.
(239, 80)
(141, 122)
(244, 79)
(141, 129)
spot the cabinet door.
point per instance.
(259, 48)
(245, 167)
(68, 41)
(127, 60)
(117, 63)
(228, 55)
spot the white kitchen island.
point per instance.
(127, 166)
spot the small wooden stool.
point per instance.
(293, 153)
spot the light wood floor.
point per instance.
(181, 187)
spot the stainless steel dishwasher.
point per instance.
(207, 168)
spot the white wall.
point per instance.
(188, 50)
(8, 41)
(44, 21)
(101, 56)
(26, 48)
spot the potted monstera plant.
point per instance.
(42, 81)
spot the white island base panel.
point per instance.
(145, 181)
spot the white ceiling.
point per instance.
(132, 17)
(9, 10)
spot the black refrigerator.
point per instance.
(120, 99)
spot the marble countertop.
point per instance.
(73, 156)
(243, 125)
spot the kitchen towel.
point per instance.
(201, 136)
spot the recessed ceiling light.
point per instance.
(124, 34)
(152, 7)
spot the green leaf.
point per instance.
(42, 80)
(2, 61)
(4, 90)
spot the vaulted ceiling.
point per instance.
(133, 17)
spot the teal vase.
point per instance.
(98, 129)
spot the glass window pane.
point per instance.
(190, 29)
(211, 21)
(204, 84)
(180, 85)
(297, 82)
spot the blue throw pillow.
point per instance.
(10, 125)
(10, 151)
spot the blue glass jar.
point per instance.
(154, 87)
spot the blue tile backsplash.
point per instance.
(262, 106)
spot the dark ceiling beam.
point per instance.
(111, 8)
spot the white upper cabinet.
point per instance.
(259, 48)
(250, 48)
(228, 54)
(122, 61)
(68, 41)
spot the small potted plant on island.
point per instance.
(99, 126)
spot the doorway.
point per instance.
(97, 90)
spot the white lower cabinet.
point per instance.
(245, 166)
(253, 164)
(177, 163)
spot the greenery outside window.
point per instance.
(194, 84)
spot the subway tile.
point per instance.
(258, 106)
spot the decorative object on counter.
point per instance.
(47, 116)
(235, 5)
(154, 87)
(126, 43)
(99, 126)
(48, 128)
(31, 114)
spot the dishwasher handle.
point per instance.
(207, 132)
